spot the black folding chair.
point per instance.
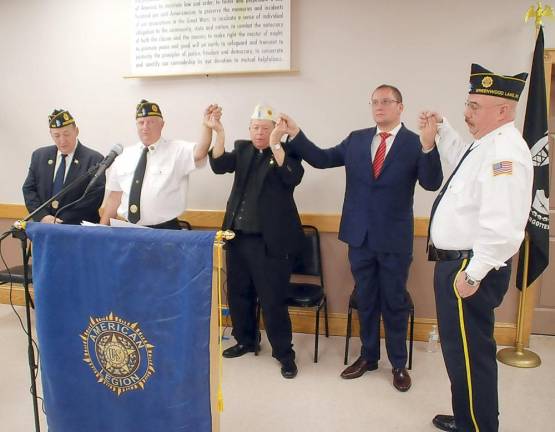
(184, 225)
(310, 295)
(303, 294)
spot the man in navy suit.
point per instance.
(382, 166)
(54, 166)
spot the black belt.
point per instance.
(435, 254)
(171, 224)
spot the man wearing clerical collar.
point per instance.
(268, 233)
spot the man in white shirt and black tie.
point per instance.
(148, 183)
(477, 224)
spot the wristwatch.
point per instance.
(470, 281)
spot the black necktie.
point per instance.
(134, 210)
(443, 189)
(59, 177)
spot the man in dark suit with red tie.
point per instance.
(382, 166)
(54, 166)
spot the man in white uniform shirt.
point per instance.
(148, 182)
(476, 225)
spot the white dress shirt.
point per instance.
(388, 141)
(486, 205)
(166, 180)
(69, 159)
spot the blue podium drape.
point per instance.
(123, 324)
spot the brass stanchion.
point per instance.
(518, 356)
(219, 241)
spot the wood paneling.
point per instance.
(214, 218)
(303, 322)
(420, 282)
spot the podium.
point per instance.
(127, 328)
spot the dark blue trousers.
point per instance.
(380, 280)
(467, 343)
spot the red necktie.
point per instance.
(379, 157)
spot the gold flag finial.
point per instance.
(538, 13)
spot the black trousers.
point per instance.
(466, 333)
(252, 274)
(381, 284)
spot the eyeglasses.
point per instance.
(383, 102)
(475, 106)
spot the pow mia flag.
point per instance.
(535, 134)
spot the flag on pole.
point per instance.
(535, 134)
(124, 328)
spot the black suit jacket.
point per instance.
(278, 215)
(38, 185)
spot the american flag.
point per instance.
(503, 167)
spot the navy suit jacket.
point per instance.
(39, 182)
(379, 209)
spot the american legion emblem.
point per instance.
(487, 82)
(118, 353)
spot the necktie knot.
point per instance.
(384, 135)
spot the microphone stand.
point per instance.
(18, 231)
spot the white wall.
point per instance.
(74, 53)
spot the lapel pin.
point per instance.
(75, 161)
(50, 161)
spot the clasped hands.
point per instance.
(428, 122)
(285, 125)
(211, 118)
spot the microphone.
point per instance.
(104, 165)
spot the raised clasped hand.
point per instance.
(212, 116)
(428, 126)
